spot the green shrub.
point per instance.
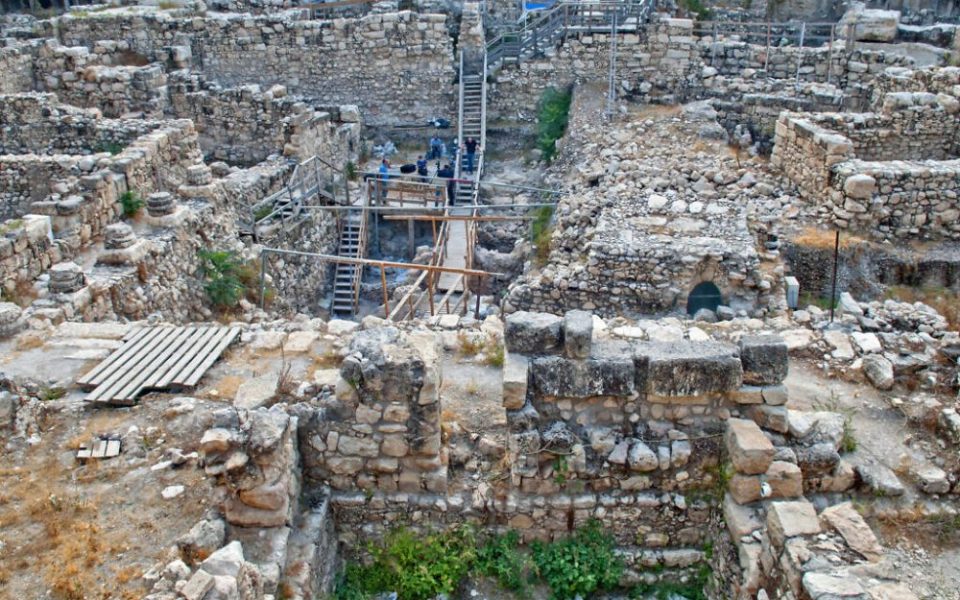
(500, 557)
(221, 272)
(130, 203)
(350, 170)
(580, 564)
(696, 7)
(414, 568)
(552, 120)
(541, 232)
(262, 213)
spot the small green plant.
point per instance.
(561, 468)
(552, 120)
(112, 147)
(469, 345)
(131, 203)
(414, 568)
(541, 232)
(500, 557)
(848, 441)
(350, 169)
(221, 273)
(821, 302)
(52, 393)
(10, 225)
(495, 353)
(580, 564)
(696, 7)
(167, 5)
(262, 213)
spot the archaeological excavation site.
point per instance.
(480, 300)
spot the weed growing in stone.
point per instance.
(414, 568)
(130, 203)
(552, 120)
(541, 231)
(221, 273)
(500, 557)
(580, 564)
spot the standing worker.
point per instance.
(447, 173)
(436, 147)
(471, 147)
(384, 179)
(422, 168)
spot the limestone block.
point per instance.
(577, 333)
(749, 449)
(687, 368)
(870, 25)
(748, 394)
(226, 561)
(257, 392)
(515, 377)
(846, 521)
(563, 378)
(741, 520)
(764, 358)
(787, 519)
(197, 586)
(532, 333)
(821, 586)
(775, 395)
(860, 186)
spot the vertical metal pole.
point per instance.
(766, 57)
(263, 278)
(713, 46)
(836, 260)
(833, 33)
(803, 31)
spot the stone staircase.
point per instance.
(346, 277)
(471, 126)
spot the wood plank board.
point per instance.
(156, 358)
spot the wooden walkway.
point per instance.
(456, 251)
(156, 358)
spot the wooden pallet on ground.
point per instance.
(156, 358)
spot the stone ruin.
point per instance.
(674, 348)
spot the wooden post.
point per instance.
(476, 311)
(430, 282)
(386, 297)
(411, 242)
(836, 260)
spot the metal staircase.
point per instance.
(543, 31)
(347, 276)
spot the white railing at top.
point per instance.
(457, 157)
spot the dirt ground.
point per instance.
(77, 530)
(921, 553)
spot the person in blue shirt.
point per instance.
(384, 178)
(422, 168)
(436, 147)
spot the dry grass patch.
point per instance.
(653, 111)
(814, 237)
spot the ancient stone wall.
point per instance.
(27, 249)
(96, 78)
(16, 64)
(245, 125)
(400, 65)
(885, 173)
(35, 123)
(654, 64)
